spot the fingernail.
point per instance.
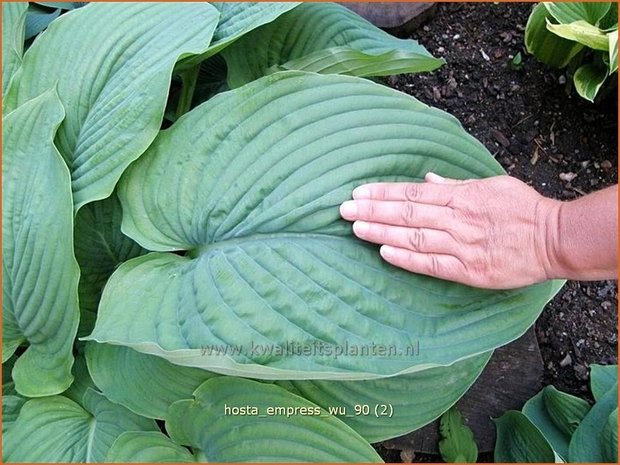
(361, 193)
(360, 228)
(348, 209)
(386, 251)
(432, 177)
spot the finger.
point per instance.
(414, 239)
(397, 213)
(428, 193)
(437, 265)
(436, 179)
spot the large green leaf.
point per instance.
(399, 404)
(545, 45)
(299, 432)
(269, 259)
(347, 44)
(115, 108)
(518, 440)
(583, 33)
(147, 447)
(13, 29)
(100, 247)
(588, 80)
(11, 406)
(602, 379)
(588, 441)
(609, 438)
(148, 385)
(555, 431)
(56, 429)
(39, 271)
(38, 19)
(568, 12)
(145, 384)
(237, 19)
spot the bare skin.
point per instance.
(495, 233)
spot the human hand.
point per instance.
(495, 233)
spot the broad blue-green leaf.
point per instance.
(145, 384)
(568, 12)
(457, 444)
(546, 46)
(602, 379)
(82, 382)
(237, 19)
(8, 386)
(100, 247)
(270, 260)
(583, 33)
(13, 27)
(148, 385)
(613, 51)
(518, 440)
(555, 426)
(11, 406)
(403, 403)
(38, 19)
(299, 432)
(115, 108)
(609, 438)
(588, 80)
(347, 44)
(566, 411)
(56, 429)
(39, 271)
(147, 447)
(588, 441)
(64, 5)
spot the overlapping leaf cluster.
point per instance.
(136, 258)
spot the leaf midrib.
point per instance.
(259, 237)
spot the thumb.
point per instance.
(436, 179)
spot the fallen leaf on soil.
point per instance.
(500, 137)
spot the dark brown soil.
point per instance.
(541, 135)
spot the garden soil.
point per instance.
(542, 133)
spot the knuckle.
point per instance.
(434, 265)
(412, 192)
(415, 240)
(408, 213)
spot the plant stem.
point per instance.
(189, 77)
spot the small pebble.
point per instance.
(562, 79)
(566, 361)
(456, 36)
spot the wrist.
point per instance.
(551, 253)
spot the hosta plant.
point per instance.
(198, 273)
(579, 36)
(556, 426)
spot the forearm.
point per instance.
(583, 237)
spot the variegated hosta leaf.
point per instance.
(100, 247)
(544, 44)
(237, 19)
(568, 12)
(13, 29)
(115, 108)
(346, 44)
(147, 447)
(300, 432)
(56, 429)
(39, 271)
(269, 259)
(148, 385)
